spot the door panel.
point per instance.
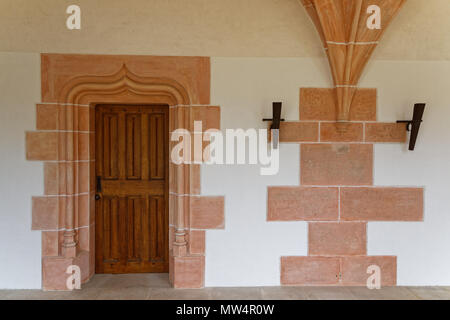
(133, 146)
(132, 211)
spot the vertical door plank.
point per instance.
(107, 145)
(121, 151)
(114, 229)
(160, 135)
(153, 228)
(145, 147)
(131, 230)
(133, 146)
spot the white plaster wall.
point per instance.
(423, 248)
(20, 248)
(247, 252)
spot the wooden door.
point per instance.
(132, 189)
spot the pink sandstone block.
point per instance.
(197, 242)
(386, 132)
(299, 132)
(207, 212)
(354, 270)
(341, 132)
(382, 204)
(312, 271)
(337, 238)
(302, 204)
(188, 272)
(42, 145)
(320, 104)
(336, 164)
(45, 213)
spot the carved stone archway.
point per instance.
(124, 87)
(65, 140)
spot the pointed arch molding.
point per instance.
(65, 140)
(83, 89)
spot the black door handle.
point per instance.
(99, 188)
(99, 184)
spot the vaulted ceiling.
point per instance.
(348, 41)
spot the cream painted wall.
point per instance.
(20, 248)
(247, 252)
(233, 28)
